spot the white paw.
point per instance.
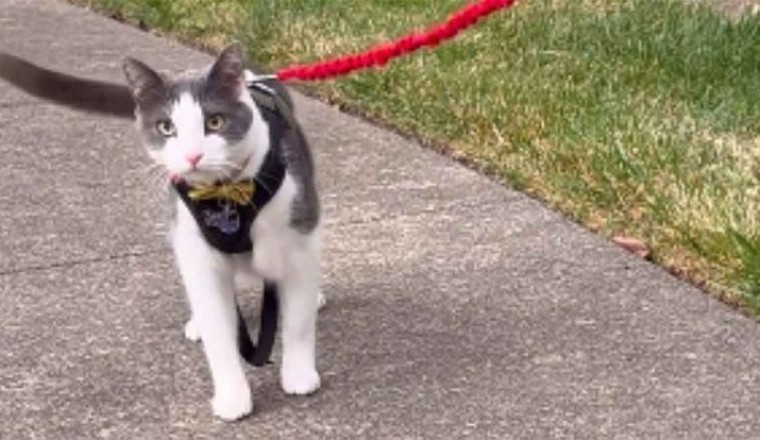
(232, 406)
(191, 331)
(299, 381)
(321, 300)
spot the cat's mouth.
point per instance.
(200, 176)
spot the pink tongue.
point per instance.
(175, 178)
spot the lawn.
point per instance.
(637, 118)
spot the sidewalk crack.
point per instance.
(80, 262)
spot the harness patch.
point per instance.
(227, 220)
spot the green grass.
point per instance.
(636, 117)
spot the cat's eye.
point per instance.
(165, 128)
(215, 122)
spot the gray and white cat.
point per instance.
(205, 129)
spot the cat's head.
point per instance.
(197, 126)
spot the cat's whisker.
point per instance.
(155, 196)
(154, 173)
(150, 179)
(153, 169)
(157, 178)
(230, 167)
(142, 172)
(235, 164)
(228, 162)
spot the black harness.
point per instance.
(226, 224)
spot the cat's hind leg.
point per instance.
(299, 299)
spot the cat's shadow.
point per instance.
(379, 343)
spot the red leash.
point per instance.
(381, 54)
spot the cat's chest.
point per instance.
(269, 235)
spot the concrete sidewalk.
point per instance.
(457, 308)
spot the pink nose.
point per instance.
(194, 158)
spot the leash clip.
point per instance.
(254, 80)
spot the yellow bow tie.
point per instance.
(240, 192)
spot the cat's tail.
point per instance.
(70, 91)
(258, 355)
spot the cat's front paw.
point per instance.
(232, 406)
(191, 331)
(299, 381)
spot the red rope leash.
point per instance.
(382, 53)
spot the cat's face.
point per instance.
(197, 127)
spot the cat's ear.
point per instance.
(228, 72)
(146, 83)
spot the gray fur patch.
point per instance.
(305, 211)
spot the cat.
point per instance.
(247, 206)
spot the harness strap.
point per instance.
(258, 355)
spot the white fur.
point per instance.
(281, 254)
